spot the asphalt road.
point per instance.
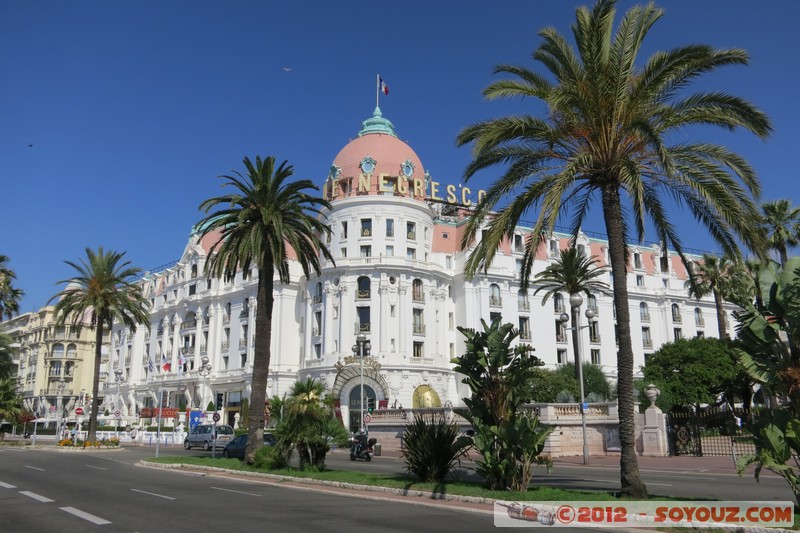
(44, 491)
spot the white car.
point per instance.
(204, 436)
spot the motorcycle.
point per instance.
(357, 451)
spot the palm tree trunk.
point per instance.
(723, 330)
(630, 479)
(784, 255)
(261, 359)
(91, 436)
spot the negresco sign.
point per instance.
(401, 186)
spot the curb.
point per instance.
(321, 482)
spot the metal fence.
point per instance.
(710, 432)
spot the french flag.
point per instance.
(165, 365)
(383, 86)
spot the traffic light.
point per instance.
(370, 404)
(220, 401)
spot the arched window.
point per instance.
(417, 294)
(194, 271)
(592, 303)
(522, 301)
(189, 321)
(58, 350)
(558, 303)
(698, 317)
(318, 293)
(72, 351)
(494, 295)
(227, 316)
(676, 313)
(644, 312)
(245, 308)
(363, 288)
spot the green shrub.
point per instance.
(270, 458)
(432, 447)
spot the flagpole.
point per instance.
(377, 90)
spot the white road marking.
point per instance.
(86, 516)
(153, 494)
(236, 491)
(35, 468)
(7, 485)
(659, 484)
(35, 496)
(96, 467)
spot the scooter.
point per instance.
(358, 452)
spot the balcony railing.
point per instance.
(677, 318)
(362, 295)
(242, 344)
(561, 337)
(316, 299)
(647, 343)
(645, 317)
(595, 339)
(226, 319)
(362, 327)
(315, 331)
(418, 297)
(558, 309)
(419, 329)
(244, 313)
(226, 346)
(524, 305)
(412, 235)
(496, 301)
(525, 335)
(700, 321)
(189, 325)
(202, 349)
(187, 350)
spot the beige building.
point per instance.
(55, 364)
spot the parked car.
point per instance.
(204, 436)
(236, 447)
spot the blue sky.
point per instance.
(133, 108)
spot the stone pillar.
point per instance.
(654, 433)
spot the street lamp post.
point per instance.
(59, 398)
(118, 378)
(205, 371)
(361, 350)
(575, 302)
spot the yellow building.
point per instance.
(55, 363)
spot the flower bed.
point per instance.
(108, 443)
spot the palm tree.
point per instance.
(259, 224)
(573, 273)
(104, 290)
(7, 367)
(722, 277)
(10, 401)
(9, 295)
(781, 223)
(607, 137)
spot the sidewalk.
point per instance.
(681, 463)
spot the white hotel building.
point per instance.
(399, 280)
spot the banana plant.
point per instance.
(507, 441)
(776, 434)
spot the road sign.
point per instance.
(585, 406)
(215, 417)
(367, 419)
(79, 411)
(117, 414)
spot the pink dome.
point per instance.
(377, 144)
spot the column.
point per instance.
(403, 332)
(384, 321)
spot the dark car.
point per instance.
(236, 447)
